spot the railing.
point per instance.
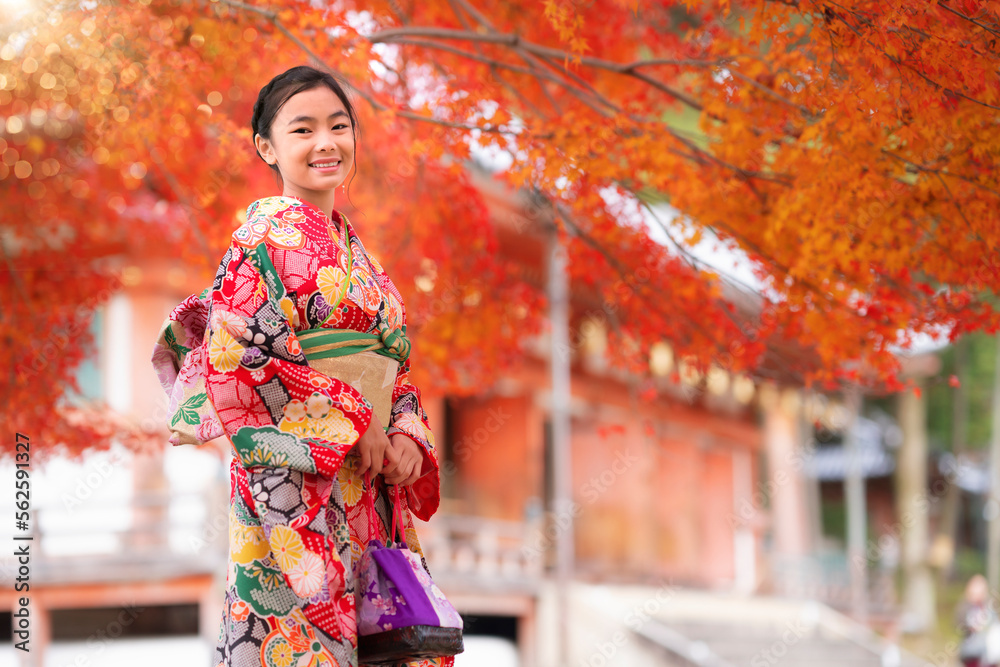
(140, 538)
(484, 553)
(154, 535)
(826, 578)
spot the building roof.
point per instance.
(873, 440)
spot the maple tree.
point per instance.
(848, 148)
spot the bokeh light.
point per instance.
(12, 9)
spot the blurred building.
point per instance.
(700, 490)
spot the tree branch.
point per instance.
(931, 170)
(529, 59)
(899, 63)
(773, 93)
(493, 63)
(391, 35)
(985, 27)
(181, 197)
(494, 68)
(641, 290)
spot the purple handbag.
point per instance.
(402, 614)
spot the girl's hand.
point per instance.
(373, 447)
(408, 461)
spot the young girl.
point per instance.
(304, 440)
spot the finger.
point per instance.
(413, 476)
(379, 449)
(393, 460)
(405, 472)
(393, 456)
(366, 457)
(401, 471)
(394, 476)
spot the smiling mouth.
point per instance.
(325, 165)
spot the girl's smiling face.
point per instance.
(312, 142)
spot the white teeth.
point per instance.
(324, 164)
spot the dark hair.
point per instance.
(287, 84)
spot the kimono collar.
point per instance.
(271, 206)
(337, 220)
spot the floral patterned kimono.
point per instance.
(298, 520)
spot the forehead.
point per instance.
(319, 102)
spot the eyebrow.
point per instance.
(299, 119)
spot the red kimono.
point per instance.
(297, 523)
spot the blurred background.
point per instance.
(718, 515)
(701, 297)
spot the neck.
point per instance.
(324, 200)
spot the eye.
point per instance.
(341, 126)
(301, 129)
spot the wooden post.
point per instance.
(561, 460)
(783, 441)
(947, 533)
(912, 504)
(857, 513)
(993, 505)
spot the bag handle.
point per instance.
(397, 510)
(372, 517)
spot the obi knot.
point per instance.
(395, 340)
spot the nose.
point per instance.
(325, 140)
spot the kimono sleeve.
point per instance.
(178, 358)
(408, 417)
(277, 411)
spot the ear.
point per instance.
(265, 149)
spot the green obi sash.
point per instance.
(367, 362)
(327, 343)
